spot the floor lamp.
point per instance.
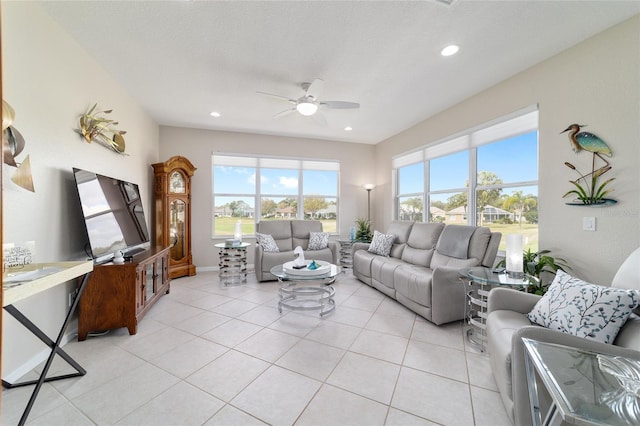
(368, 187)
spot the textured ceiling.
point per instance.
(183, 59)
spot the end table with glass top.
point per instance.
(298, 292)
(481, 280)
(586, 388)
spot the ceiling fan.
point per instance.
(309, 103)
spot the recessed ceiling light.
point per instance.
(348, 129)
(450, 50)
(215, 114)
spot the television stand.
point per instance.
(120, 295)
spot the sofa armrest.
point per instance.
(509, 299)
(359, 246)
(448, 295)
(334, 246)
(257, 262)
(521, 408)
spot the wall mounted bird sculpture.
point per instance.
(589, 142)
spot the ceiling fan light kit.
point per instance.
(307, 107)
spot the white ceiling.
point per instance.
(183, 59)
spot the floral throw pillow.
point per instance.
(318, 240)
(267, 242)
(381, 243)
(582, 309)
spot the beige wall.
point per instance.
(198, 146)
(49, 81)
(597, 83)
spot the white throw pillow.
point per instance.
(582, 309)
(318, 240)
(381, 243)
(267, 242)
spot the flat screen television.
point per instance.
(113, 215)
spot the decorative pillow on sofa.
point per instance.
(381, 243)
(318, 240)
(582, 309)
(267, 242)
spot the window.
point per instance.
(487, 176)
(250, 189)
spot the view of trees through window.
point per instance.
(503, 184)
(249, 189)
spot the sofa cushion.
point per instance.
(300, 231)
(381, 243)
(267, 242)
(401, 229)
(454, 241)
(585, 310)
(382, 270)
(318, 240)
(414, 283)
(280, 230)
(421, 243)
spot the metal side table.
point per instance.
(481, 280)
(233, 263)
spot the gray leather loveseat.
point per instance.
(507, 324)
(288, 234)
(422, 269)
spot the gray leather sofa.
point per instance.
(422, 271)
(288, 234)
(507, 324)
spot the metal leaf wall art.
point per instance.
(12, 145)
(93, 127)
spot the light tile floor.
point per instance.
(212, 355)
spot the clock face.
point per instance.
(176, 183)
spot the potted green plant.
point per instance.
(363, 230)
(536, 264)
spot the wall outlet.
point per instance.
(588, 223)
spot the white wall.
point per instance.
(49, 81)
(595, 83)
(198, 146)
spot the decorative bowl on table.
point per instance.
(321, 268)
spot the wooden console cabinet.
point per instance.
(120, 295)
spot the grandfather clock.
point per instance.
(173, 213)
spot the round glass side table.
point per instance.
(481, 280)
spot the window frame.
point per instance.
(518, 123)
(260, 163)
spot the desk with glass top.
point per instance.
(307, 297)
(29, 281)
(481, 280)
(582, 386)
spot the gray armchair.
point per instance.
(288, 234)
(507, 324)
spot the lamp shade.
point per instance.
(237, 233)
(369, 186)
(514, 257)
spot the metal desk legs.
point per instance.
(55, 349)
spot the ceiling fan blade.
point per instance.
(283, 113)
(315, 88)
(319, 118)
(339, 104)
(282, 98)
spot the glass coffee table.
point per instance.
(307, 292)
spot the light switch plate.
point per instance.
(588, 223)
